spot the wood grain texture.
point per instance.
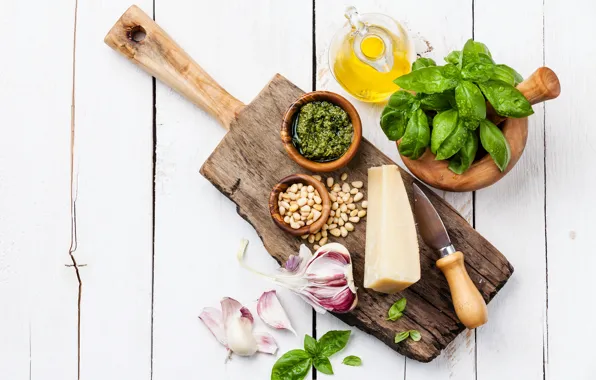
(247, 177)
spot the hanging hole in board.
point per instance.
(137, 33)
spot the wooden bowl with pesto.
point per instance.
(321, 131)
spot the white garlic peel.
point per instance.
(272, 313)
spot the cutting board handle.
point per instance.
(142, 41)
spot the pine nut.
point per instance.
(294, 188)
(344, 231)
(349, 226)
(357, 184)
(282, 210)
(332, 196)
(345, 188)
(337, 188)
(341, 222)
(310, 202)
(317, 177)
(336, 219)
(364, 204)
(332, 226)
(299, 185)
(344, 216)
(311, 239)
(351, 206)
(329, 181)
(354, 219)
(318, 200)
(285, 204)
(324, 228)
(316, 215)
(318, 207)
(358, 197)
(335, 206)
(335, 232)
(310, 189)
(343, 208)
(344, 176)
(305, 208)
(316, 247)
(346, 197)
(301, 202)
(296, 216)
(300, 223)
(330, 221)
(354, 213)
(294, 225)
(351, 200)
(287, 219)
(304, 237)
(318, 236)
(332, 213)
(309, 222)
(323, 241)
(294, 207)
(324, 233)
(354, 191)
(361, 213)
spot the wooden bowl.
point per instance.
(286, 131)
(542, 85)
(283, 186)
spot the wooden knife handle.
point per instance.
(469, 304)
(142, 41)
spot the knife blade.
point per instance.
(468, 303)
(430, 225)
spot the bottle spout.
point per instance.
(372, 45)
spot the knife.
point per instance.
(467, 301)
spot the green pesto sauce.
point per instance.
(323, 131)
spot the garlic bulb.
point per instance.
(324, 280)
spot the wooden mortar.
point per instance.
(542, 85)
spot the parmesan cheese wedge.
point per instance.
(392, 257)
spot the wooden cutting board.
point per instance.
(251, 159)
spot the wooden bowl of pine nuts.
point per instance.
(299, 204)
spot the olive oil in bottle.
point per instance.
(368, 54)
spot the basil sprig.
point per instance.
(412, 334)
(454, 97)
(295, 364)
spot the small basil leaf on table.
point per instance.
(422, 62)
(465, 157)
(395, 311)
(506, 99)
(470, 102)
(454, 58)
(415, 335)
(400, 100)
(293, 365)
(517, 78)
(393, 123)
(310, 345)
(443, 124)
(322, 364)
(436, 102)
(495, 143)
(352, 360)
(333, 341)
(478, 70)
(429, 80)
(417, 136)
(454, 142)
(399, 337)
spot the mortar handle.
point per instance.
(142, 41)
(541, 86)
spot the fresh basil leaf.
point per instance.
(400, 100)
(506, 99)
(422, 63)
(470, 102)
(452, 72)
(472, 125)
(437, 102)
(293, 365)
(495, 143)
(454, 142)
(472, 49)
(393, 123)
(310, 345)
(417, 136)
(428, 80)
(352, 360)
(517, 78)
(395, 311)
(415, 335)
(465, 157)
(443, 124)
(478, 70)
(322, 364)
(399, 337)
(454, 58)
(333, 341)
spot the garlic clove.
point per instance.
(272, 313)
(238, 323)
(265, 343)
(213, 319)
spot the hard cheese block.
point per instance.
(392, 258)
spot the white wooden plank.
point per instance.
(242, 45)
(447, 27)
(38, 292)
(570, 204)
(510, 214)
(114, 155)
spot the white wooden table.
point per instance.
(154, 242)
